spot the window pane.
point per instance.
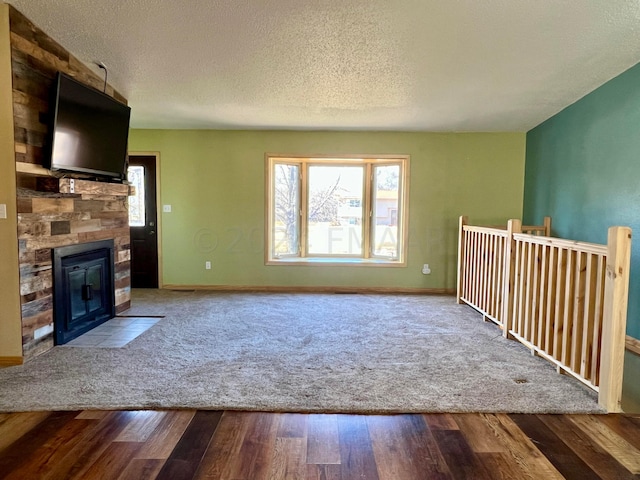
(135, 175)
(286, 224)
(385, 210)
(334, 213)
(317, 208)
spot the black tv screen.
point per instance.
(89, 131)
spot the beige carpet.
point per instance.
(300, 353)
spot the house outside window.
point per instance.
(328, 210)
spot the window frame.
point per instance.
(367, 257)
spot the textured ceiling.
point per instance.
(426, 65)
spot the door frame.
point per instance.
(158, 208)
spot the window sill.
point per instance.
(336, 262)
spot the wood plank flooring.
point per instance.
(186, 444)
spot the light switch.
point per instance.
(3, 210)
(166, 208)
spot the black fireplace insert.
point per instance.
(83, 288)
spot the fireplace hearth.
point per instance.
(83, 288)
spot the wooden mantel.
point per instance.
(73, 187)
(70, 185)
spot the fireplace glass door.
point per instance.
(86, 295)
(83, 288)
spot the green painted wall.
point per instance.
(214, 181)
(583, 169)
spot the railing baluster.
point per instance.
(567, 329)
(542, 307)
(578, 311)
(589, 314)
(492, 277)
(521, 288)
(563, 254)
(551, 300)
(535, 294)
(597, 321)
(500, 280)
(529, 292)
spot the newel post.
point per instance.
(616, 294)
(461, 257)
(547, 226)
(513, 226)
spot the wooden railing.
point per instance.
(482, 252)
(565, 300)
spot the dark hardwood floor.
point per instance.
(186, 444)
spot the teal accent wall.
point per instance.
(215, 182)
(583, 169)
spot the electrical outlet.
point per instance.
(207, 265)
(425, 269)
(3, 210)
(166, 208)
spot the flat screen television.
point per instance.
(89, 131)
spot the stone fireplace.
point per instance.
(53, 212)
(83, 288)
(55, 226)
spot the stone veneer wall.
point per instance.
(47, 216)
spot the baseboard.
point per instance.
(633, 345)
(10, 361)
(318, 289)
